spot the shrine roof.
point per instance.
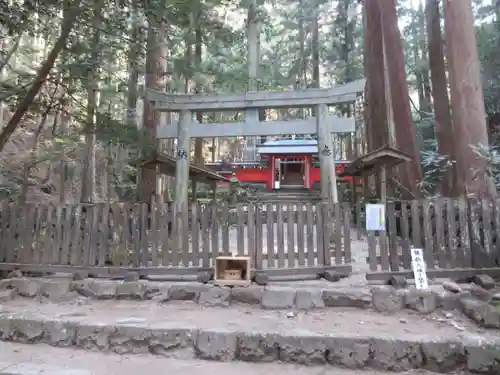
(166, 164)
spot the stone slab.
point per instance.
(20, 359)
(302, 347)
(271, 297)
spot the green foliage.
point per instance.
(286, 58)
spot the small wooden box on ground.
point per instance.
(232, 271)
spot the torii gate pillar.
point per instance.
(182, 165)
(326, 155)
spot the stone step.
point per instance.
(18, 359)
(304, 295)
(344, 338)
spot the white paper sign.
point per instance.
(276, 184)
(375, 216)
(419, 269)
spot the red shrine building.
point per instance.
(286, 163)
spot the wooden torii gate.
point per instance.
(250, 102)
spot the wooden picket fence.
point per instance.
(157, 239)
(456, 235)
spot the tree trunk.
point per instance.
(374, 67)
(315, 50)
(156, 67)
(411, 172)
(133, 69)
(68, 22)
(88, 179)
(198, 50)
(443, 124)
(467, 101)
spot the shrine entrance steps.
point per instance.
(289, 195)
(379, 328)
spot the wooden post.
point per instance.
(182, 166)
(326, 156)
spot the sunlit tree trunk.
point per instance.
(411, 172)
(467, 101)
(443, 124)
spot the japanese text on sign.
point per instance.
(419, 269)
(326, 151)
(375, 217)
(182, 154)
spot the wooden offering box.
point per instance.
(232, 271)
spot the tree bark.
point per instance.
(411, 172)
(374, 67)
(467, 101)
(443, 124)
(198, 50)
(156, 67)
(88, 179)
(23, 106)
(133, 69)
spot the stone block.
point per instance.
(129, 339)
(26, 287)
(483, 358)
(352, 297)
(352, 353)
(172, 342)
(397, 281)
(396, 355)
(261, 278)
(7, 294)
(161, 295)
(6, 284)
(278, 298)
(443, 356)
(480, 293)
(388, 299)
(186, 291)
(26, 331)
(131, 276)
(484, 281)
(334, 276)
(217, 345)
(15, 274)
(251, 295)
(77, 276)
(215, 296)
(5, 328)
(204, 277)
(306, 299)
(302, 349)
(59, 333)
(98, 289)
(422, 301)
(94, 337)
(481, 312)
(448, 300)
(257, 347)
(55, 290)
(452, 286)
(134, 290)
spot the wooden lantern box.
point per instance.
(232, 271)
